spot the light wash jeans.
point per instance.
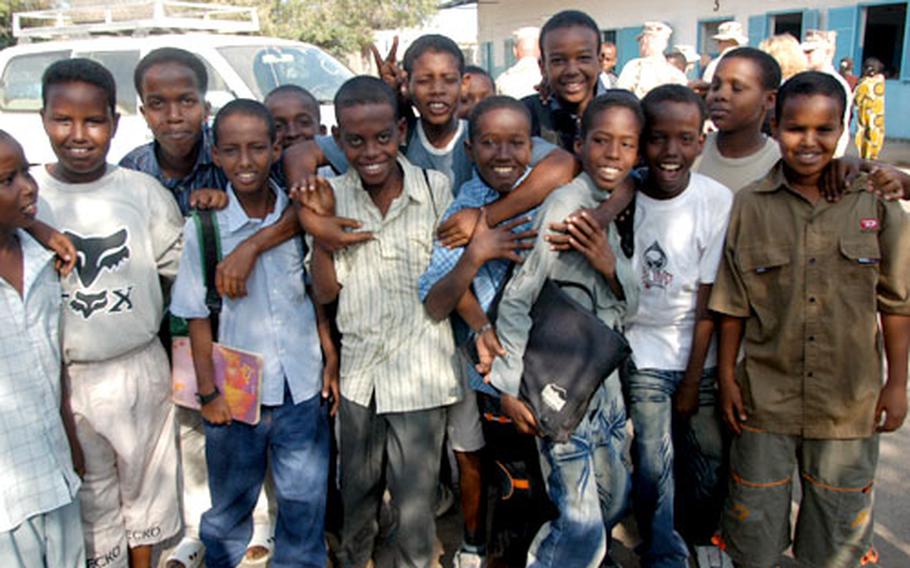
(587, 479)
(650, 396)
(702, 446)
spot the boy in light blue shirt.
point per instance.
(293, 428)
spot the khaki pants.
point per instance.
(125, 424)
(834, 525)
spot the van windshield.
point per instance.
(265, 67)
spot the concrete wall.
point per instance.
(497, 20)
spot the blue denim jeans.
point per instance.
(650, 396)
(587, 479)
(702, 445)
(295, 437)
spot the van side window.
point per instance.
(20, 86)
(121, 65)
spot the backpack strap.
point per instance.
(210, 247)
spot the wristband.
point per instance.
(484, 328)
(204, 399)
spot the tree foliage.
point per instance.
(8, 8)
(339, 26)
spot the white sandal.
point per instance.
(262, 537)
(188, 554)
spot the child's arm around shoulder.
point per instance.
(54, 240)
(557, 168)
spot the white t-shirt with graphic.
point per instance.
(127, 230)
(678, 245)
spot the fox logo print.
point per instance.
(95, 254)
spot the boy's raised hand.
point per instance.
(586, 236)
(885, 181)
(892, 405)
(457, 230)
(389, 69)
(207, 198)
(731, 404)
(499, 242)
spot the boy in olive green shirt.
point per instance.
(802, 285)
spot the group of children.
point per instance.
(757, 281)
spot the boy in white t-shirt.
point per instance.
(680, 220)
(127, 230)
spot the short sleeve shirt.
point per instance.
(390, 347)
(810, 279)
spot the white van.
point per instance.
(238, 67)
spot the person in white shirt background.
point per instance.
(520, 79)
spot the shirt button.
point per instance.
(812, 260)
(811, 338)
(811, 299)
(810, 374)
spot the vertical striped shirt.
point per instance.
(390, 347)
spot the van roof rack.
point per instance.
(134, 18)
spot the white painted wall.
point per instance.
(497, 20)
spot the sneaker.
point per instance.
(466, 559)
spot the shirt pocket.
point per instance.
(858, 262)
(767, 275)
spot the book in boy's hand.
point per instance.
(238, 375)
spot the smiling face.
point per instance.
(672, 140)
(245, 152)
(807, 132)
(610, 148)
(296, 118)
(435, 87)
(501, 148)
(174, 108)
(18, 190)
(369, 136)
(737, 99)
(570, 63)
(80, 124)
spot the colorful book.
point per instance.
(238, 375)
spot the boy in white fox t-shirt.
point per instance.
(127, 231)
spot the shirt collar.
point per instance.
(235, 217)
(776, 180)
(599, 194)
(409, 181)
(599, 89)
(203, 156)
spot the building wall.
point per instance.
(497, 20)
